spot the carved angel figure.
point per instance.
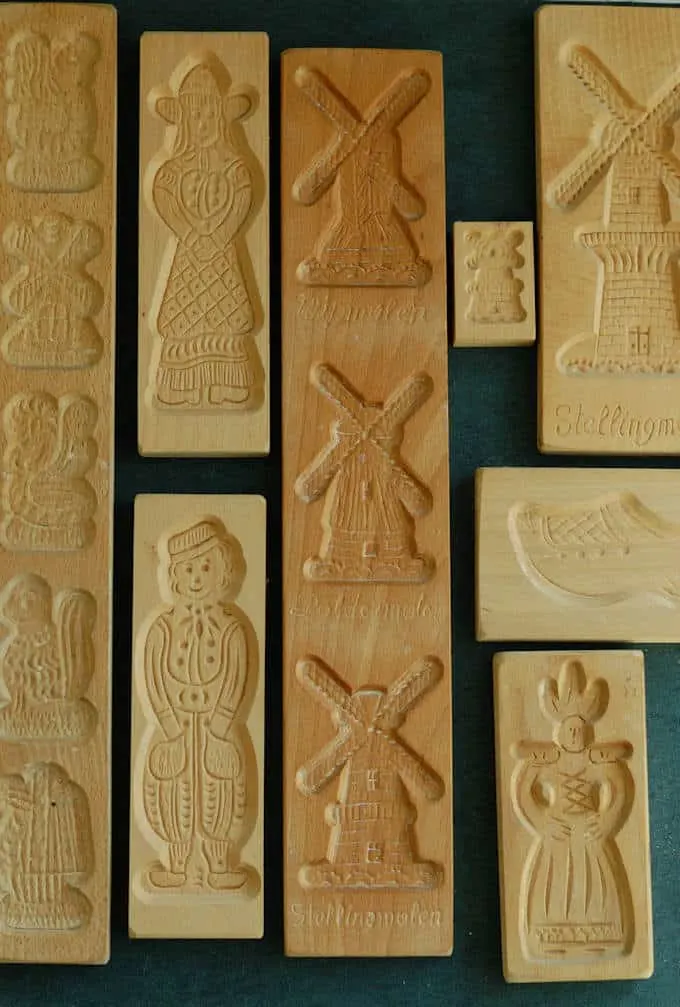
(46, 662)
(202, 188)
(574, 794)
(47, 501)
(46, 850)
(198, 655)
(495, 290)
(371, 497)
(367, 242)
(52, 295)
(52, 112)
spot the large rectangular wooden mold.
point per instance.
(578, 554)
(367, 645)
(608, 94)
(203, 377)
(573, 820)
(197, 799)
(57, 279)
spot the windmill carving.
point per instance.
(636, 315)
(371, 497)
(367, 241)
(371, 844)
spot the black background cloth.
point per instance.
(488, 75)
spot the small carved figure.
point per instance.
(198, 658)
(201, 186)
(371, 497)
(52, 295)
(371, 843)
(46, 850)
(52, 112)
(47, 501)
(495, 290)
(637, 328)
(367, 242)
(46, 663)
(574, 794)
(598, 552)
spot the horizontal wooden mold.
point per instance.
(573, 822)
(578, 554)
(493, 271)
(57, 274)
(204, 244)
(367, 646)
(608, 186)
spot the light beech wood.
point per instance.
(608, 190)
(573, 819)
(203, 379)
(57, 271)
(493, 272)
(578, 554)
(367, 645)
(198, 717)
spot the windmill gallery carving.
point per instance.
(372, 844)
(636, 328)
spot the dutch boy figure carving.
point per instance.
(198, 658)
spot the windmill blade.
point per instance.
(409, 687)
(664, 106)
(671, 173)
(415, 497)
(318, 679)
(315, 479)
(579, 177)
(601, 82)
(331, 384)
(320, 770)
(403, 403)
(321, 93)
(403, 94)
(421, 778)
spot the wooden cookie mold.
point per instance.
(365, 447)
(573, 828)
(57, 289)
(196, 831)
(204, 244)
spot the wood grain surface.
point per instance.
(609, 223)
(203, 378)
(198, 717)
(367, 645)
(573, 820)
(57, 269)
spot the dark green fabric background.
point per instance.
(488, 72)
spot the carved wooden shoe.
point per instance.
(228, 880)
(161, 877)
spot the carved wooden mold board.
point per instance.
(197, 809)
(578, 554)
(573, 822)
(367, 648)
(204, 244)
(608, 189)
(493, 283)
(57, 195)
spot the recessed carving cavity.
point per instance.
(47, 500)
(371, 496)
(52, 296)
(495, 291)
(372, 843)
(367, 242)
(201, 186)
(51, 112)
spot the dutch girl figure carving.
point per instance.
(574, 794)
(201, 185)
(198, 661)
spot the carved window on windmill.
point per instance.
(375, 853)
(372, 779)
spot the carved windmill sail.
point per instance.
(371, 843)
(636, 317)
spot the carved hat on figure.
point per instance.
(198, 81)
(194, 541)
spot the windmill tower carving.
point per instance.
(371, 844)
(636, 313)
